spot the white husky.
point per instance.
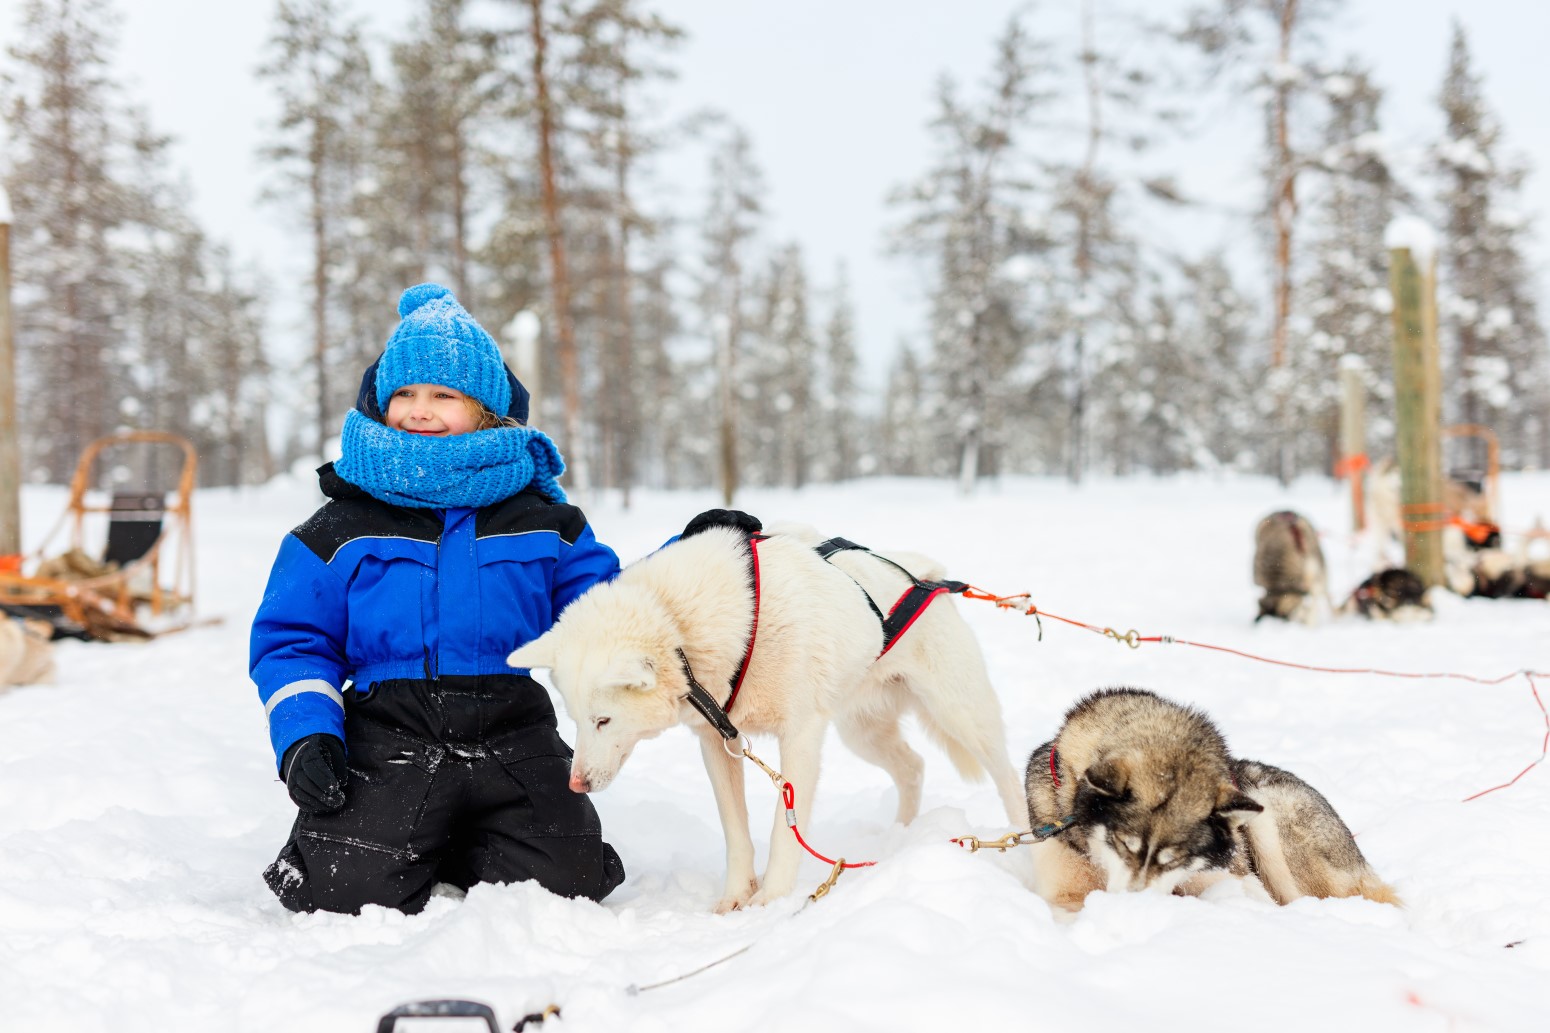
(614, 657)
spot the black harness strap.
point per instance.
(699, 697)
(910, 605)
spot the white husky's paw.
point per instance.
(771, 892)
(733, 900)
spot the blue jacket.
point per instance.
(365, 592)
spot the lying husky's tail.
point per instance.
(1375, 889)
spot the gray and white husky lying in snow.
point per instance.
(1159, 804)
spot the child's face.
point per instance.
(432, 409)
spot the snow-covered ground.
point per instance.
(138, 805)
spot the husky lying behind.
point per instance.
(1289, 566)
(614, 659)
(25, 653)
(1159, 804)
(1395, 594)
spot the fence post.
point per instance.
(1353, 434)
(1417, 394)
(10, 460)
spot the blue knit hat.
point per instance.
(438, 342)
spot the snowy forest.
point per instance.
(499, 148)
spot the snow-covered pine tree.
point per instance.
(439, 106)
(968, 220)
(1347, 280)
(1092, 261)
(732, 215)
(1218, 332)
(235, 374)
(1274, 42)
(906, 440)
(672, 448)
(1495, 348)
(615, 59)
(65, 173)
(317, 64)
(791, 351)
(837, 418)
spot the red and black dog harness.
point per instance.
(905, 611)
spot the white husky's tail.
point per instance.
(964, 757)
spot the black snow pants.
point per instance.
(458, 780)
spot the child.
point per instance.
(446, 545)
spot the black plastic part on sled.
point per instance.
(447, 1009)
(134, 525)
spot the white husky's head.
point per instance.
(614, 661)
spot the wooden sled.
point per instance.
(147, 564)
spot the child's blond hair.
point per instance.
(484, 419)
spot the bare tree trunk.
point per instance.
(1285, 210)
(319, 288)
(559, 278)
(623, 399)
(421, 215)
(10, 459)
(1085, 187)
(726, 366)
(459, 214)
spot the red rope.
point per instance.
(1012, 602)
(789, 794)
(1544, 747)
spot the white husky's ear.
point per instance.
(538, 653)
(632, 673)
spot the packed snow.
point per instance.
(141, 804)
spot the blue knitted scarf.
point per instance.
(423, 472)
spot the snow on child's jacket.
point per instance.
(367, 592)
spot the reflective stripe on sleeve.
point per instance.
(297, 688)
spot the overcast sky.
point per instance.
(835, 95)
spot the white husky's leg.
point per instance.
(875, 738)
(800, 748)
(726, 781)
(959, 707)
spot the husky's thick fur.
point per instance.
(614, 659)
(25, 653)
(1159, 804)
(1395, 594)
(1289, 566)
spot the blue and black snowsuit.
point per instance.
(389, 627)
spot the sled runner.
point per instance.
(103, 596)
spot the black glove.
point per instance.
(733, 518)
(315, 773)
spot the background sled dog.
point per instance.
(1395, 594)
(1159, 804)
(614, 659)
(1289, 566)
(26, 656)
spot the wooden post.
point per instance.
(1417, 390)
(10, 458)
(1353, 434)
(559, 270)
